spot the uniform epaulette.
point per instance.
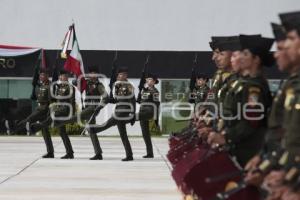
(225, 75)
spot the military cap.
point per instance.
(232, 43)
(201, 75)
(122, 70)
(278, 31)
(94, 68)
(215, 40)
(153, 76)
(259, 46)
(290, 21)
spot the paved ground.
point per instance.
(24, 175)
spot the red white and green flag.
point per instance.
(74, 63)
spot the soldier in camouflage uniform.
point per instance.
(124, 99)
(41, 112)
(149, 109)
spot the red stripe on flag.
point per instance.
(73, 65)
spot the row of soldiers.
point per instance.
(242, 143)
(57, 108)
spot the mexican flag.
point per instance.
(74, 63)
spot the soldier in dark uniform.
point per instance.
(149, 108)
(283, 121)
(222, 60)
(124, 113)
(95, 99)
(222, 57)
(63, 109)
(41, 112)
(97, 96)
(245, 134)
(201, 89)
(275, 130)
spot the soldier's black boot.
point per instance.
(48, 155)
(149, 155)
(128, 158)
(68, 156)
(97, 157)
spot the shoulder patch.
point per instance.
(253, 95)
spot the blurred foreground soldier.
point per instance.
(41, 112)
(124, 99)
(291, 23)
(244, 133)
(149, 108)
(62, 110)
(275, 131)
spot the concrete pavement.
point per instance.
(24, 175)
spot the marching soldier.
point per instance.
(124, 99)
(63, 109)
(41, 112)
(95, 99)
(149, 108)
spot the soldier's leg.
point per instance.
(96, 143)
(123, 134)
(84, 115)
(36, 115)
(106, 125)
(35, 127)
(147, 138)
(67, 143)
(144, 116)
(48, 142)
